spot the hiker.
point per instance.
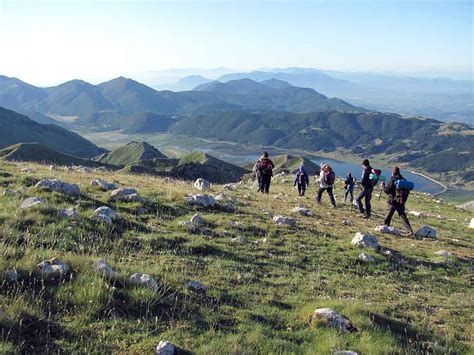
(326, 182)
(367, 185)
(349, 188)
(397, 197)
(302, 180)
(263, 169)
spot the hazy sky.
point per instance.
(45, 42)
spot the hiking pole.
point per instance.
(382, 179)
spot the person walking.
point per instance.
(301, 180)
(349, 188)
(263, 169)
(367, 186)
(327, 177)
(397, 199)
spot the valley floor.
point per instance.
(263, 280)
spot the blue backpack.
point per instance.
(402, 184)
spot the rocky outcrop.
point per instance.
(59, 186)
(365, 241)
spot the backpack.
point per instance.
(329, 177)
(265, 167)
(402, 190)
(374, 177)
(301, 178)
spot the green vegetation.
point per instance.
(261, 292)
(18, 128)
(132, 153)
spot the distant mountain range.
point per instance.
(440, 98)
(107, 105)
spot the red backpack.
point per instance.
(265, 167)
(329, 177)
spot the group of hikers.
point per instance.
(397, 189)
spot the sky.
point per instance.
(48, 42)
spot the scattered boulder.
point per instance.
(471, 224)
(201, 200)
(11, 275)
(239, 240)
(202, 184)
(387, 230)
(164, 347)
(366, 258)
(83, 169)
(27, 171)
(144, 280)
(345, 352)
(103, 185)
(233, 224)
(52, 268)
(346, 222)
(103, 269)
(195, 286)
(426, 232)
(189, 226)
(33, 202)
(365, 241)
(67, 212)
(220, 197)
(228, 207)
(125, 195)
(284, 220)
(59, 186)
(302, 211)
(105, 214)
(332, 319)
(10, 192)
(101, 169)
(417, 214)
(231, 187)
(197, 220)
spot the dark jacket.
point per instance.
(257, 168)
(349, 183)
(305, 176)
(365, 181)
(391, 190)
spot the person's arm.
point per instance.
(365, 177)
(388, 188)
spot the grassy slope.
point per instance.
(131, 153)
(260, 295)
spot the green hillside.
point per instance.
(16, 128)
(36, 152)
(261, 281)
(132, 153)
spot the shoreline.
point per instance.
(445, 187)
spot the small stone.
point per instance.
(32, 202)
(365, 240)
(346, 222)
(125, 195)
(202, 184)
(302, 211)
(103, 269)
(195, 286)
(417, 214)
(164, 347)
(284, 220)
(333, 319)
(189, 226)
(471, 224)
(103, 185)
(105, 214)
(344, 352)
(426, 232)
(387, 230)
(52, 268)
(239, 240)
(59, 186)
(10, 192)
(201, 200)
(366, 258)
(228, 207)
(220, 197)
(233, 224)
(11, 275)
(197, 220)
(144, 280)
(67, 212)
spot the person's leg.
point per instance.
(359, 201)
(300, 189)
(404, 218)
(331, 196)
(346, 192)
(268, 180)
(368, 205)
(303, 189)
(320, 194)
(352, 196)
(388, 217)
